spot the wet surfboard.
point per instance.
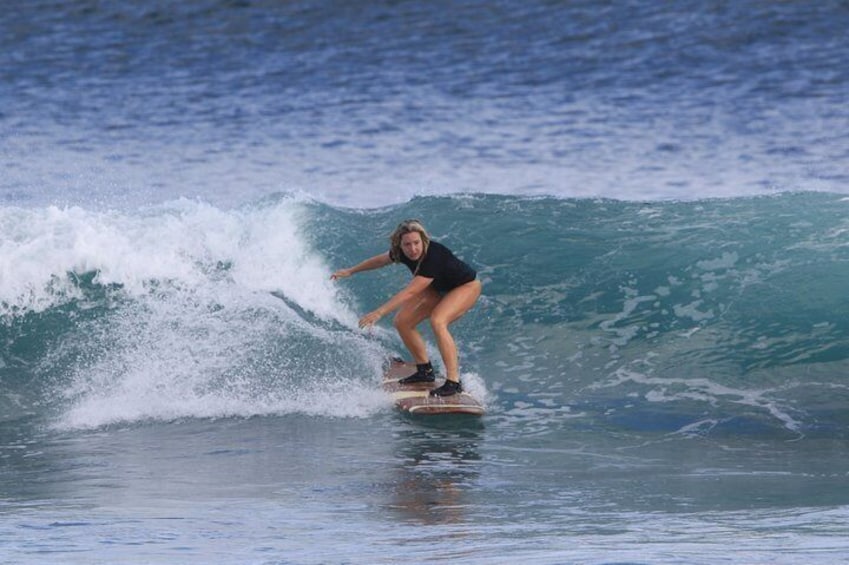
(416, 399)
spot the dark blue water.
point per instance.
(653, 195)
(373, 103)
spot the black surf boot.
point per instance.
(447, 389)
(423, 374)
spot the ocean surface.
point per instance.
(655, 196)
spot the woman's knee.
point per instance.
(405, 320)
(399, 322)
(439, 322)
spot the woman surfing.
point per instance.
(443, 288)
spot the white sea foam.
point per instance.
(213, 313)
(700, 389)
(184, 243)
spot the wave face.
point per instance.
(708, 317)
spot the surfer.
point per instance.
(443, 288)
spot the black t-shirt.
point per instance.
(442, 266)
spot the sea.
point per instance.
(654, 194)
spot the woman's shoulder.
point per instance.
(438, 246)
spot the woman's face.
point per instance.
(411, 245)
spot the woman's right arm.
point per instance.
(375, 262)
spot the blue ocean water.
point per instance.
(654, 195)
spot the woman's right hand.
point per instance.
(341, 274)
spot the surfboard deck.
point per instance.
(416, 399)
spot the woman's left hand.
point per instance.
(371, 318)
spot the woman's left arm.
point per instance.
(413, 288)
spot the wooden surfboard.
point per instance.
(416, 399)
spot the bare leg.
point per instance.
(452, 306)
(410, 315)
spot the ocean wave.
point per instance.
(188, 310)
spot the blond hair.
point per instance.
(405, 227)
